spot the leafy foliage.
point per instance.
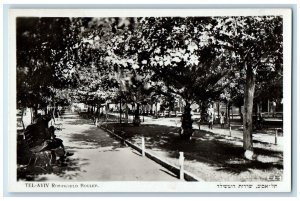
(140, 60)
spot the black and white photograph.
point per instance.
(150, 100)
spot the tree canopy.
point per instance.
(198, 59)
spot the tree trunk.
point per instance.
(120, 111)
(106, 111)
(22, 119)
(268, 108)
(126, 112)
(274, 108)
(228, 114)
(200, 116)
(97, 110)
(151, 109)
(248, 110)
(53, 113)
(156, 110)
(144, 111)
(97, 114)
(136, 120)
(219, 111)
(186, 124)
(240, 112)
(33, 113)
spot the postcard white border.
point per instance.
(125, 186)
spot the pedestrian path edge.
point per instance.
(187, 175)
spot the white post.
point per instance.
(230, 131)
(143, 146)
(181, 159)
(276, 134)
(96, 122)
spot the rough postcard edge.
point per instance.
(124, 186)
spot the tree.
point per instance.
(134, 82)
(45, 59)
(182, 60)
(256, 45)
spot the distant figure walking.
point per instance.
(222, 119)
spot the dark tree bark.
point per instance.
(22, 115)
(120, 111)
(228, 114)
(33, 113)
(156, 110)
(200, 117)
(137, 120)
(53, 112)
(219, 111)
(126, 112)
(240, 113)
(106, 110)
(97, 114)
(151, 109)
(97, 110)
(248, 105)
(186, 130)
(143, 112)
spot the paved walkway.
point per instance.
(98, 157)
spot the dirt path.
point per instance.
(98, 157)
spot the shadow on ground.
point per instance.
(72, 166)
(70, 169)
(95, 138)
(80, 122)
(205, 147)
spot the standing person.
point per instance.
(222, 119)
(210, 116)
